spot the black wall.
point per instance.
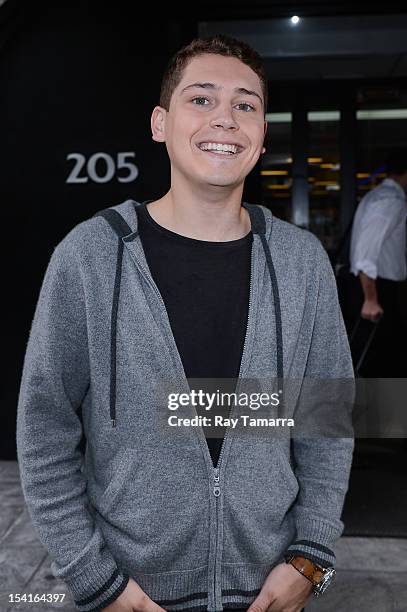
(75, 78)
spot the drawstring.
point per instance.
(113, 332)
(277, 309)
(277, 314)
(258, 226)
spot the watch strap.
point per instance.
(306, 567)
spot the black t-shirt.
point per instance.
(205, 288)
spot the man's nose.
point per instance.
(224, 119)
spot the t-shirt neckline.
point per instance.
(187, 239)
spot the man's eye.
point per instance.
(200, 100)
(247, 107)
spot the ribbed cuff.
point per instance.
(105, 595)
(312, 550)
(314, 540)
(97, 584)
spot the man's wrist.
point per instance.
(312, 558)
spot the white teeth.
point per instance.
(214, 146)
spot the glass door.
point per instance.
(307, 155)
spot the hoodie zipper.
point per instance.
(216, 476)
(216, 492)
(241, 362)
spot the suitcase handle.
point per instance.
(369, 340)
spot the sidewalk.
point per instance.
(372, 572)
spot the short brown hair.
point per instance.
(218, 45)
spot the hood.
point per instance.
(261, 225)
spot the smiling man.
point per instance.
(194, 285)
(213, 124)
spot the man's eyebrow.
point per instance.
(241, 90)
(248, 92)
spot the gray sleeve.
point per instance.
(55, 379)
(323, 461)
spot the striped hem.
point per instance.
(243, 598)
(236, 599)
(186, 598)
(187, 591)
(183, 604)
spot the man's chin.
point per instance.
(222, 181)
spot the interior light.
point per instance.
(285, 186)
(391, 113)
(364, 115)
(274, 172)
(324, 116)
(295, 19)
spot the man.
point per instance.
(198, 285)
(378, 257)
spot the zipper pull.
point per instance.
(216, 488)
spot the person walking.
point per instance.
(378, 258)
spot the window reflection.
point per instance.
(324, 177)
(276, 166)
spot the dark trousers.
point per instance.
(386, 357)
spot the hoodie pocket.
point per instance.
(123, 468)
(260, 490)
(155, 512)
(287, 469)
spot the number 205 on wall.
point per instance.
(102, 168)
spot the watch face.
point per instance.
(329, 575)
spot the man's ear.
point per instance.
(158, 123)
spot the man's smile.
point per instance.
(220, 149)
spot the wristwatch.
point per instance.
(321, 577)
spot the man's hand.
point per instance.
(133, 599)
(284, 590)
(371, 310)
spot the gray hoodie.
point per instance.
(147, 503)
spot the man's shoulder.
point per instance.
(384, 196)
(95, 232)
(285, 236)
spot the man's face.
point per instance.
(219, 101)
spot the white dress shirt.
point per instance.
(378, 241)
